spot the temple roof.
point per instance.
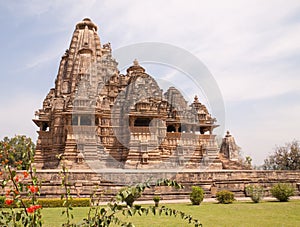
(86, 22)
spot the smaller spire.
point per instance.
(228, 134)
(136, 67)
(136, 63)
(196, 99)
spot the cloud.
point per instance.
(250, 47)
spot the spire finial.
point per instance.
(135, 62)
(228, 133)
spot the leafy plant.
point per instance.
(16, 154)
(105, 216)
(156, 200)
(197, 195)
(129, 195)
(66, 196)
(225, 196)
(23, 190)
(282, 192)
(255, 192)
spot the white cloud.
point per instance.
(247, 45)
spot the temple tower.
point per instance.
(96, 117)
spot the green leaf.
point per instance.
(18, 216)
(153, 210)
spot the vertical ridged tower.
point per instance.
(98, 118)
(56, 120)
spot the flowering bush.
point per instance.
(17, 154)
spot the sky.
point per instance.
(252, 49)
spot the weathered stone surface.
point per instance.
(97, 118)
(85, 183)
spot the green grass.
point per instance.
(210, 214)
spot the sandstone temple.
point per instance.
(96, 117)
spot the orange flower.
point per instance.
(0, 173)
(16, 192)
(25, 174)
(8, 202)
(33, 189)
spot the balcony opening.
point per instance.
(142, 122)
(171, 128)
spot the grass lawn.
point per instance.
(210, 214)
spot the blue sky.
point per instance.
(252, 48)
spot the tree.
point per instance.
(16, 151)
(285, 157)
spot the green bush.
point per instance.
(225, 197)
(197, 195)
(255, 192)
(282, 192)
(156, 198)
(53, 202)
(56, 202)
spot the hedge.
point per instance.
(54, 202)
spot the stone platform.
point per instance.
(107, 182)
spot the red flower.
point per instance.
(8, 202)
(30, 209)
(38, 207)
(33, 208)
(16, 178)
(25, 174)
(33, 189)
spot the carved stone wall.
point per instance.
(84, 182)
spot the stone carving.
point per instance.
(93, 108)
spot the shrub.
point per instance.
(282, 192)
(57, 202)
(197, 195)
(156, 198)
(225, 197)
(256, 193)
(53, 202)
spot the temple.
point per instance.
(97, 118)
